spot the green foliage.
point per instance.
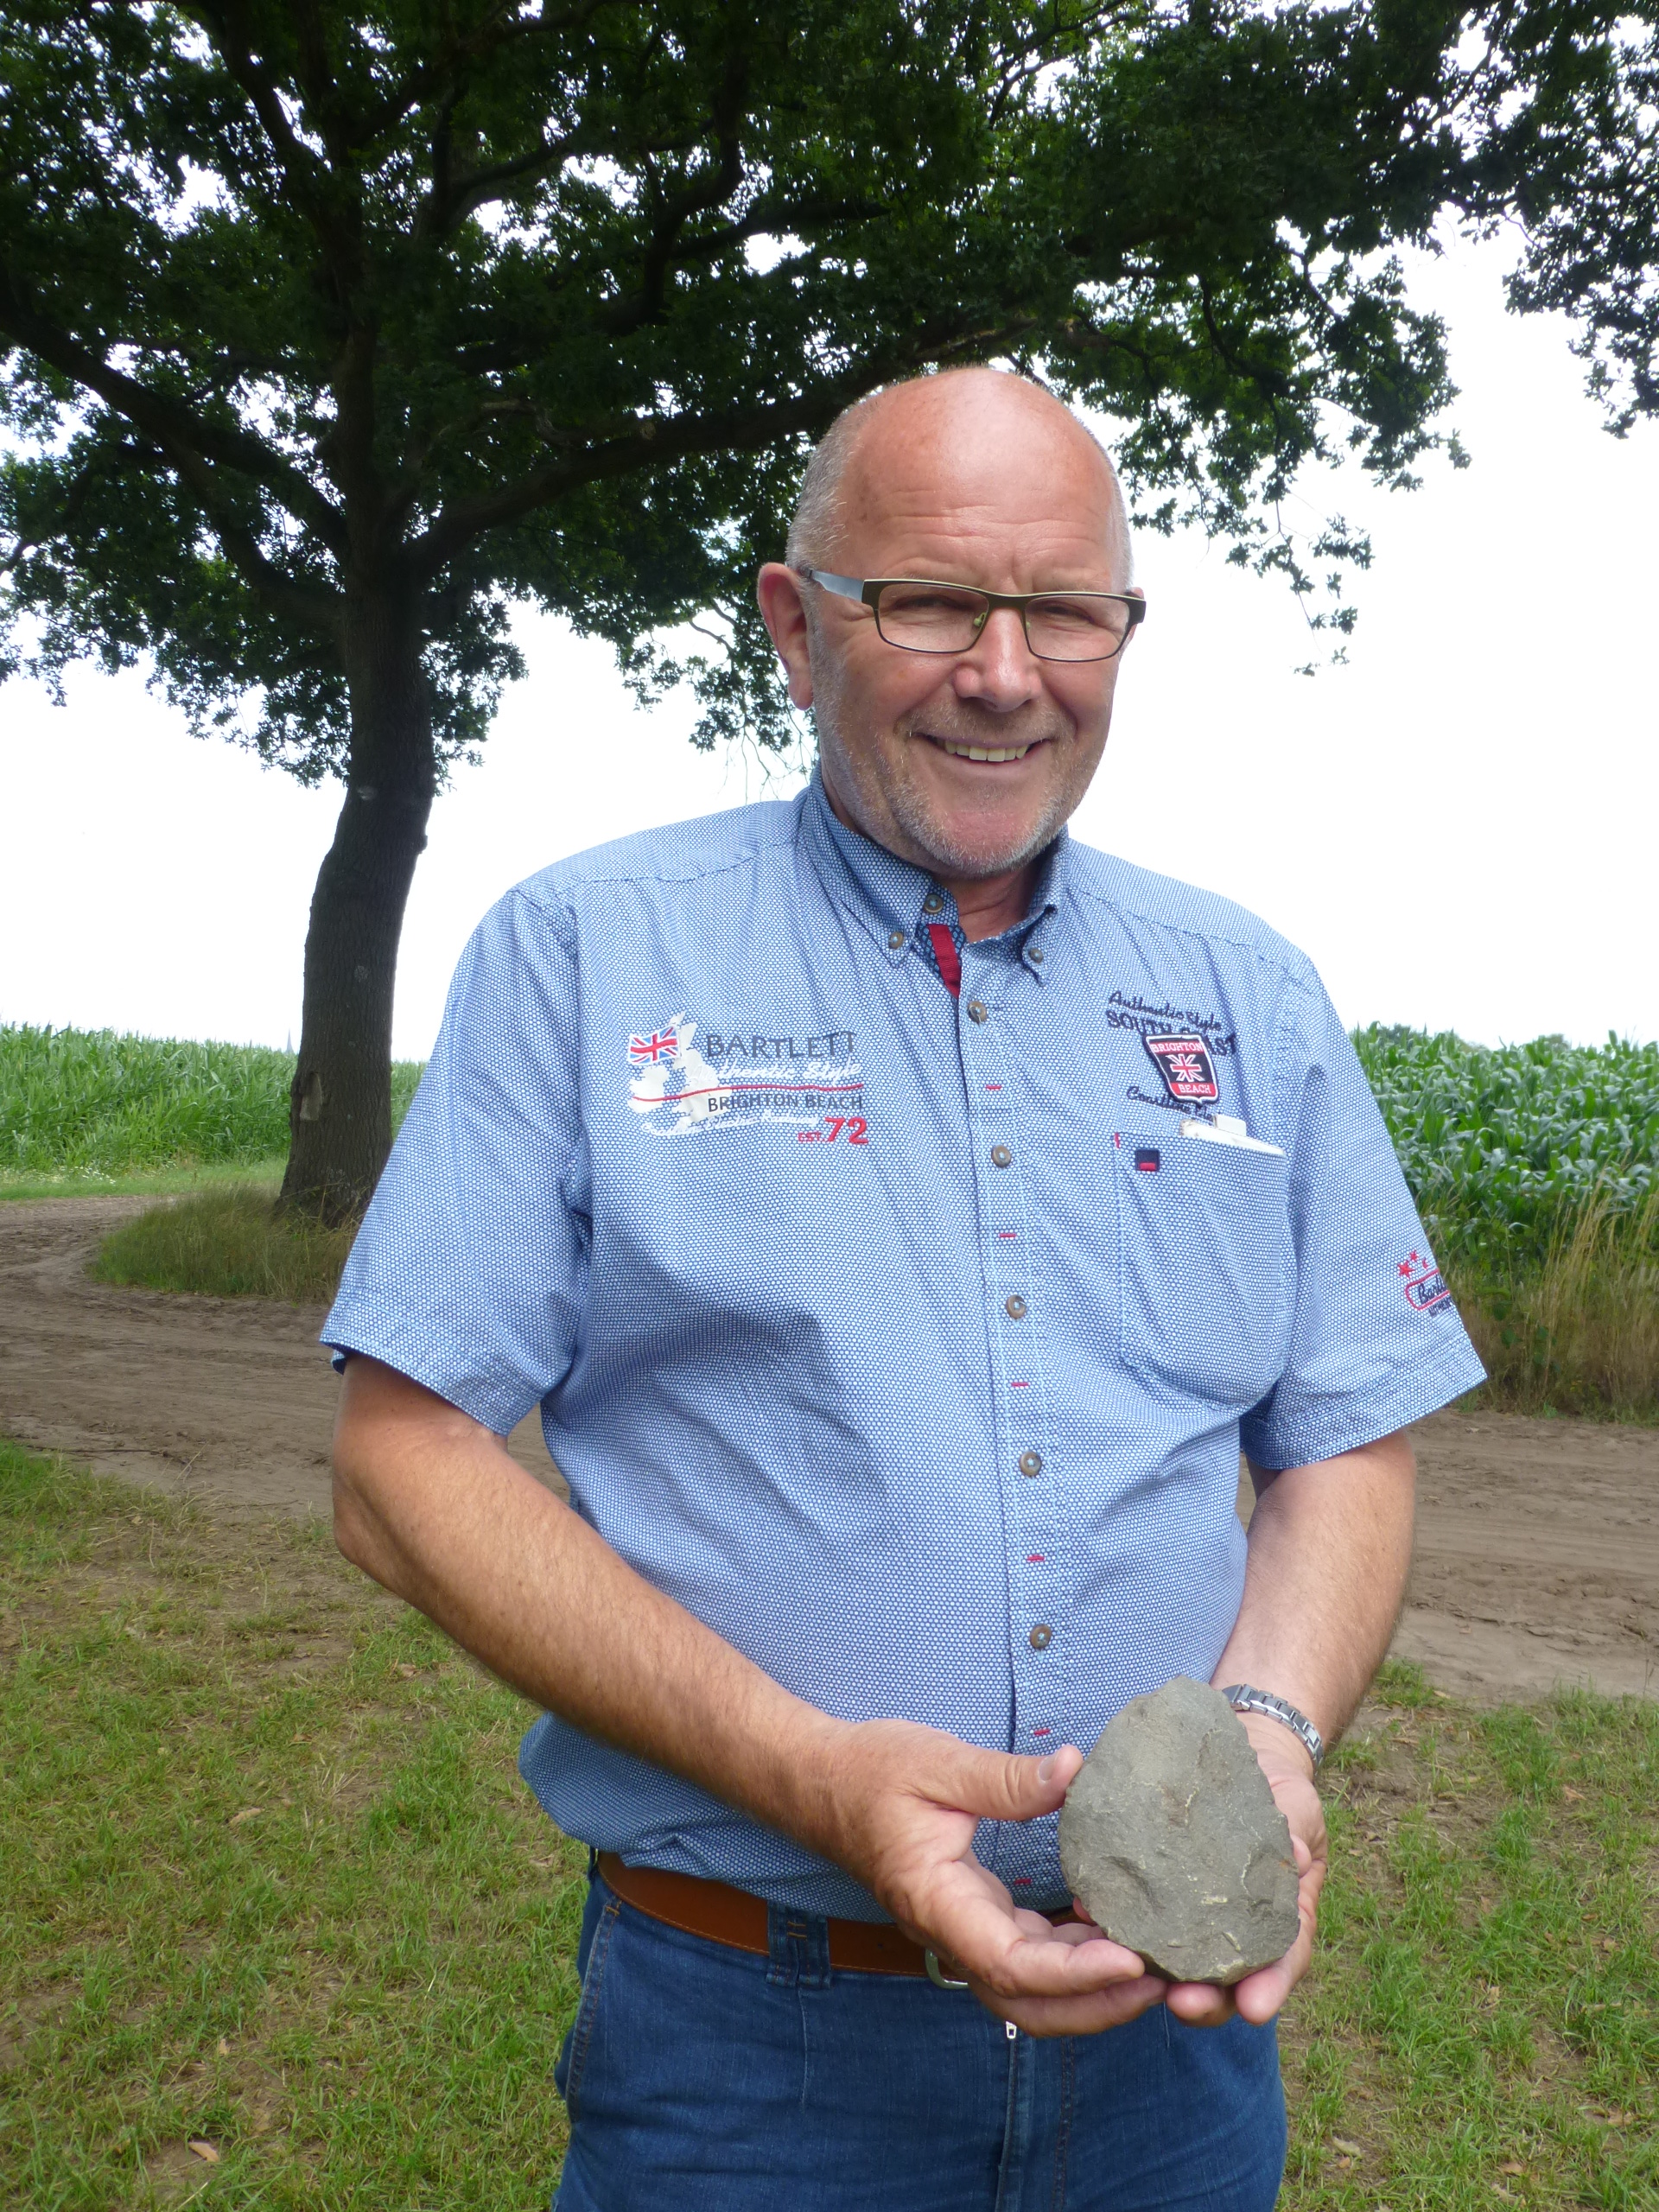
(1534, 1167)
(1506, 1147)
(229, 1242)
(90, 1103)
(454, 307)
(329, 332)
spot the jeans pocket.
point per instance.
(573, 2059)
(1203, 1265)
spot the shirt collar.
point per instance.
(894, 901)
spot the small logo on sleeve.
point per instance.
(1184, 1064)
(1148, 1159)
(1424, 1285)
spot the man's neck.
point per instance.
(989, 904)
(985, 905)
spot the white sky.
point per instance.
(1457, 826)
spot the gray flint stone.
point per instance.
(1171, 1841)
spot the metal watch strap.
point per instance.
(1243, 1699)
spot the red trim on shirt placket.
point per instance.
(945, 951)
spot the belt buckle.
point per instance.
(936, 1975)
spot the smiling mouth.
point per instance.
(996, 752)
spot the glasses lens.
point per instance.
(1084, 627)
(929, 618)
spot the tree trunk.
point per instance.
(340, 1110)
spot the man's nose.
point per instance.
(999, 669)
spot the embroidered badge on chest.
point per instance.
(1187, 1070)
(728, 1082)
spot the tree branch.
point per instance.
(440, 80)
(676, 210)
(464, 196)
(655, 444)
(192, 448)
(169, 421)
(332, 217)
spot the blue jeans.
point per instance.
(703, 2079)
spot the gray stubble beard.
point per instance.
(921, 826)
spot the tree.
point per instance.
(331, 331)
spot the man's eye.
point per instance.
(928, 599)
(1079, 613)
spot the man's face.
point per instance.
(975, 481)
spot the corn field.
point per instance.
(90, 1103)
(1534, 1167)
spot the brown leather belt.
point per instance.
(725, 1915)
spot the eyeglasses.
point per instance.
(926, 617)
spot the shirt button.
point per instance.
(1036, 955)
(895, 942)
(1041, 1637)
(1000, 1156)
(978, 1011)
(1031, 1463)
(1014, 1307)
(932, 904)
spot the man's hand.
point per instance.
(431, 1505)
(898, 1810)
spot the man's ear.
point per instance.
(783, 610)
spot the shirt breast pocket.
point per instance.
(1203, 1265)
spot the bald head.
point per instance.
(959, 422)
(965, 759)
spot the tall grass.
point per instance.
(1534, 1169)
(228, 1241)
(92, 1103)
(1580, 1333)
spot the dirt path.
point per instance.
(225, 1397)
(1537, 1547)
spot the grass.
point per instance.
(1578, 1334)
(79, 1106)
(227, 1242)
(268, 1883)
(144, 1182)
(1482, 2026)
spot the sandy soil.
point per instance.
(1537, 1543)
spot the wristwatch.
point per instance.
(1243, 1699)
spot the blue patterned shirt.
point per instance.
(906, 1339)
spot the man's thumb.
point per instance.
(1010, 1788)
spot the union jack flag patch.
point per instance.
(1188, 1071)
(653, 1048)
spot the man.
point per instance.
(899, 1213)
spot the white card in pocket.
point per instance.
(1227, 1128)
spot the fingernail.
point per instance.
(1045, 1771)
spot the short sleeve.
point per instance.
(470, 1270)
(1375, 1340)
